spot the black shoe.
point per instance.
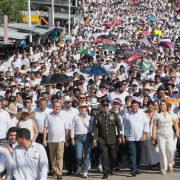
(59, 177)
(105, 176)
(138, 172)
(133, 173)
(111, 172)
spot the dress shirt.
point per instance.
(56, 125)
(31, 164)
(40, 117)
(80, 126)
(69, 115)
(6, 162)
(135, 124)
(4, 123)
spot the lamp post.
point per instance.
(69, 19)
(52, 12)
(29, 23)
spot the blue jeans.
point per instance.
(83, 143)
(135, 153)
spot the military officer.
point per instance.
(104, 132)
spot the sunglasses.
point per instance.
(105, 105)
(81, 107)
(82, 97)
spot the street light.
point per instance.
(69, 19)
(29, 22)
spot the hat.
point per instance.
(26, 85)
(149, 87)
(105, 101)
(24, 111)
(83, 104)
(67, 98)
(13, 84)
(135, 83)
(93, 102)
(117, 100)
(41, 62)
(11, 109)
(99, 94)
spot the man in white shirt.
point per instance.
(40, 114)
(68, 112)
(4, 123)
(30, 159)
(6, 163)
(136, 127)
(56, 126)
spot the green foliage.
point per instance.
(13, 9)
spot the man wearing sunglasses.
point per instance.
(105, 125)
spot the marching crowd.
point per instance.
(127, 107)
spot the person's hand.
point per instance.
(94, 143)
(123, 140)
(120, 140)
(73, 142)
(66, 143)
(144, 137)
(44, 143)
(177, 134)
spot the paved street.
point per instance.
(123, 174)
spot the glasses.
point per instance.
(82, 97)
(81, 107)
(105, 105)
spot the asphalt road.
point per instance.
(123, 174)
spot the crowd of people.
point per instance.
(92, 119)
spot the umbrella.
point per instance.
(118, 21)
(145, 41)
(151, 18)
(103, 36)
(108, 41)
(129, 51)
(109, 47)
(145, 32)
(86, 51)
(55, 78)
(166, 44)
(67, 38)
(108, 25)
(94, 70)
(158, 32)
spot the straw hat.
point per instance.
(99, 94)
(67, 98)
(83, 104)
(93, 102)
(12, 84)
(11, 109)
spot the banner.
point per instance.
(6, 29)
(147, 65)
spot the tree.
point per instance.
(12, 8)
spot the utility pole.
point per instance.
(30, 25)
(52, 12)
(69, 19)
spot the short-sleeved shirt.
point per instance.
(56, 125)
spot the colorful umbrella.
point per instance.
(151, 18)
(95, 70)
(109, 47)
(67, 38)
(87, 51)
(108, 41)
(108, 25)
(118, 21)
(145, 32)
(103, 36)
(166, 44)
(158, 32)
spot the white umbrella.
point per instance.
(145, 41)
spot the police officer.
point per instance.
(105, 125)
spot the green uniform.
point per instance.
(106, 128)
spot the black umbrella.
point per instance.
(55, 78)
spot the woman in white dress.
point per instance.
(26, 122)
(152, 149)
(163, 132)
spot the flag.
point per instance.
(147, 65)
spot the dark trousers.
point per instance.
(108, 156)
(40, 141)
(135, 153)
(70, 158)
